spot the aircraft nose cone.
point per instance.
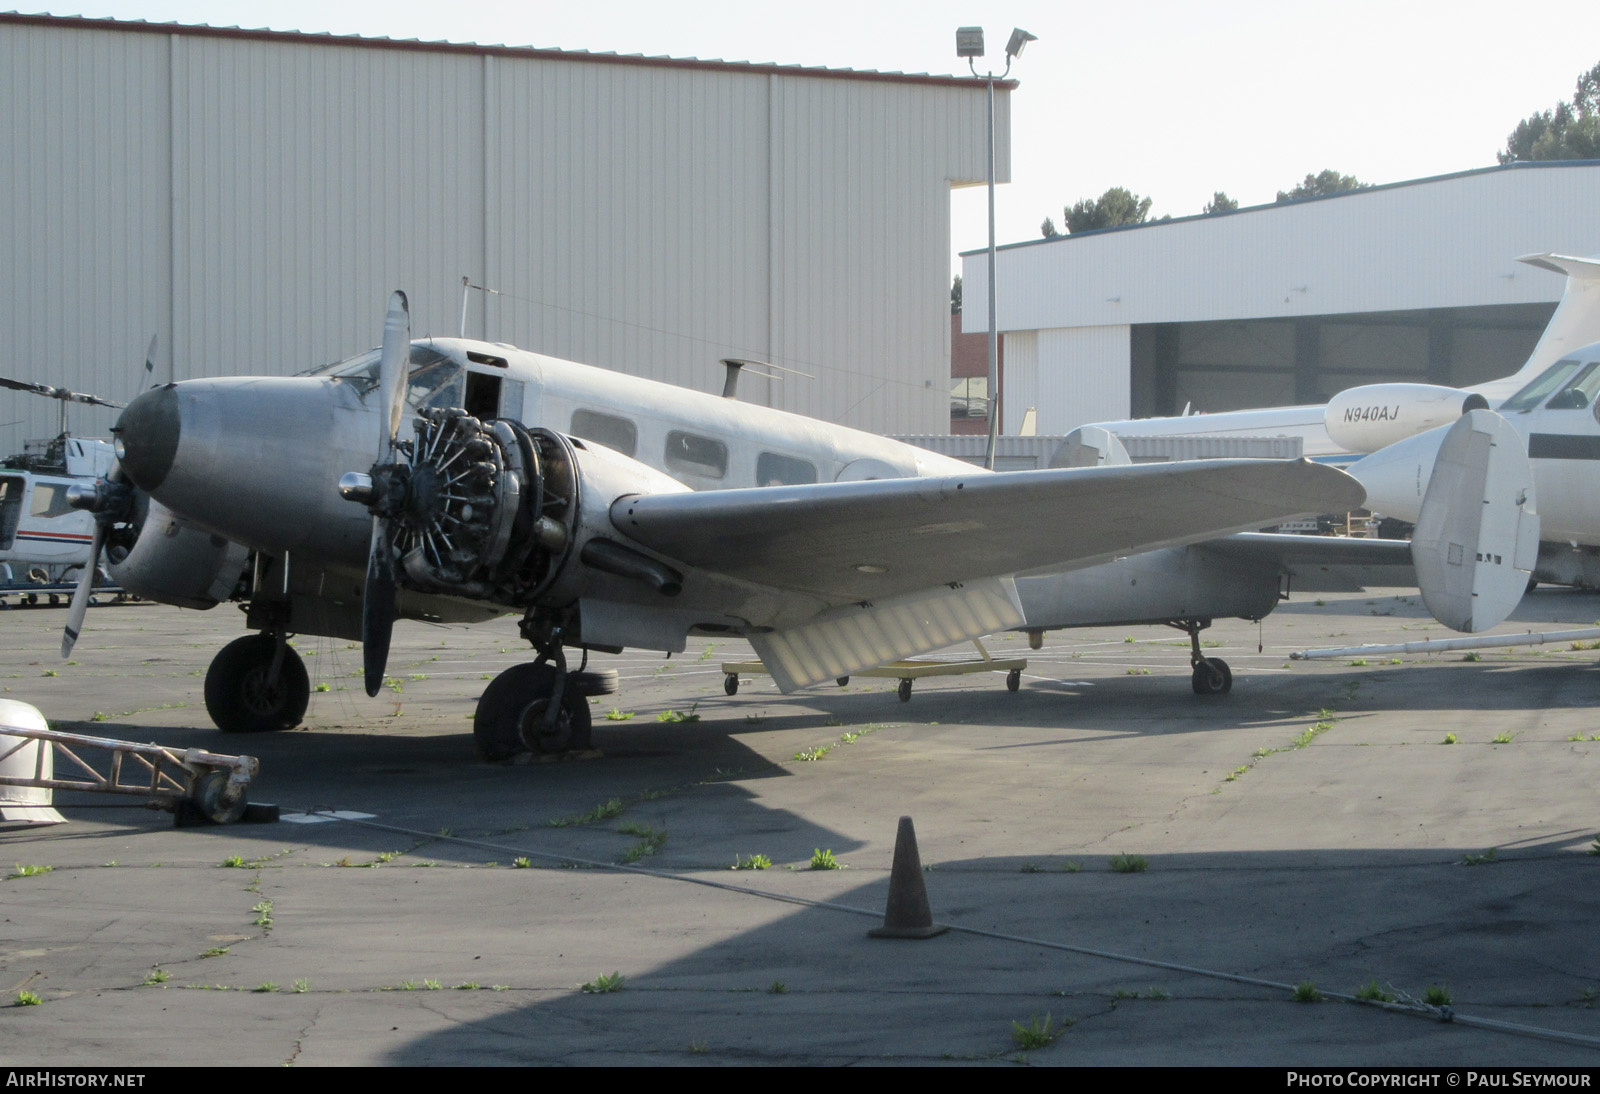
(147, 437)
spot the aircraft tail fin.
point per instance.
(1477, 536)
(1576, 322)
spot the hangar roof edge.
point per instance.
(1520, 165)
(527, 52)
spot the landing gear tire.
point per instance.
(1212, 677)
(730, 684)
(207, 798)
(239, 696)
(509, 725)
(905, 691)
(1013, 679)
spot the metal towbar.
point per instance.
(191, 780)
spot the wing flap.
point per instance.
(859, 636)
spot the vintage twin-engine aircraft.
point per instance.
(1364, 419)
(635, 515)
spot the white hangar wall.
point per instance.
(1345, 268)
(251, 198)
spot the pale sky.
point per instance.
(1171, 100)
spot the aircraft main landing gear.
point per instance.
(256, 684)
(1211, 675)
(539, 708)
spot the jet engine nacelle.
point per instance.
(1365, 419)
(174, 562)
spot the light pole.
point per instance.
(969, 44)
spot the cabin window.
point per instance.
(615, 433)
(483, 396)
(696, 455)
(1534, 394)
(775, 470)
(11, 491)
(1580, 393)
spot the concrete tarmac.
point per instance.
(1313, 827)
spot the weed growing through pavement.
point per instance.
(1479, 859)
(604, 811)
(29, 871)
(1371, 993)
(679, 716)
(1129, 864)
(1437, 995)
(1039, 1032)
(650, 841)
(157, 976)
(751, 862)
(603, 985)
(824, 860)
(27, 999)
(1306, 992)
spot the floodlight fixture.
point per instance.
(1019, 39)
(969, 42)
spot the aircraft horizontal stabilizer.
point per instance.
(1477, 536)
(866, 541)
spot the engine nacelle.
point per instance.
(496, 511)
(174, 562)
(1365, 419)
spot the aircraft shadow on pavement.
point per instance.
(1508, 940)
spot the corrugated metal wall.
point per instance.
(252, 199)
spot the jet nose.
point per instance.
(147, 437)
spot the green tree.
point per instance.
(955, 296)
(1570, 131)
(1327, 181)
(1047, 228)
(1220, 203)
(1112, 209)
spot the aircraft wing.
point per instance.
(892, 568)
(861, 541)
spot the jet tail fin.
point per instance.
(1477, 536)
(1576, 322)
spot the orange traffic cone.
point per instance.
(908, 914)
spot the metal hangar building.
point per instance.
(1285, 304)
(251, 197)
